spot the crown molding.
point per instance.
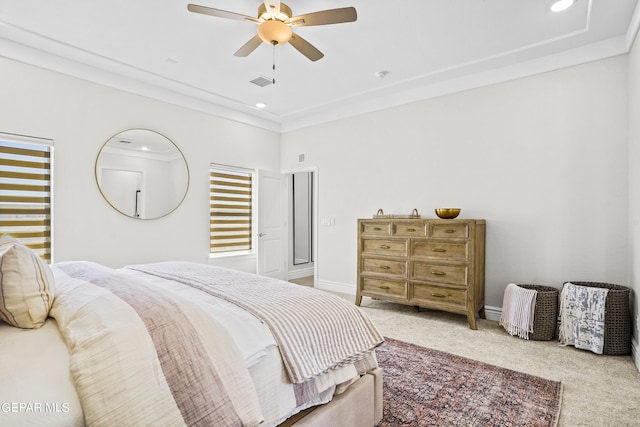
(32, 49)
(634, 26)
(26, 47)
(397, 95)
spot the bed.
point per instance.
(178, 343)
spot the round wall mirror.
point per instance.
(142, 174)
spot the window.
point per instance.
(231, 200)
(25, 191)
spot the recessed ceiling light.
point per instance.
(261, 105)
(560, 5)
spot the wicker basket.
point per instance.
(545, 316)
(617, 318)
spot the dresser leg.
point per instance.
(358, 299)
(471, 317)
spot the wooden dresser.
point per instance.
(434, 263)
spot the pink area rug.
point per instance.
(425, 387)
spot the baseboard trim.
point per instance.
(635, 353)
(493, 313)
(341, 288)
(297, 274)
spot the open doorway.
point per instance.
(302, 214)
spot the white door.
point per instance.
(271, 235)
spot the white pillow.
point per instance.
(27, 286)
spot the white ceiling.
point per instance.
(159, 49)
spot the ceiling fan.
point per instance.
(275, 21)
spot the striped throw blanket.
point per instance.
(582, 310)
(315, 331)
(518, 310)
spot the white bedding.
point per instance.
(250, 335)
(36, 387)
(259, 349)
(316, 332)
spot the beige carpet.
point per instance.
(597, 390)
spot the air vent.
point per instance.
(301, 158)
(262, 81)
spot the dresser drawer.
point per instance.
(433, 249)
(440, 273)
(409, 229)
(384, 247)
(449, 230)
(376, 228)
(384, 288)
(384, 266)
(439, 295)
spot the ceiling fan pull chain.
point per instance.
(274, 62)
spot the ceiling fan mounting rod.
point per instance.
(283, 14)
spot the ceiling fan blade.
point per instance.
(305, 48)
(273, 8)
(249, 46)
(219, 13)
(325, 17)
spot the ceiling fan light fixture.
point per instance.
(560, 5)
(274, 32)
(275, 20)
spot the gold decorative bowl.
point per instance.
(447, 213)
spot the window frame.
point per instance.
(251, 174)
(43, 245)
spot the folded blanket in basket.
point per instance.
(518, 307)
(582, 317)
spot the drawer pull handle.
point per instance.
(438, 295)
(385, 267)
(439, 250)
(438, 273)
(377, 229)
(450, 231)
(385, 247)
(411, 229)
(384, 287)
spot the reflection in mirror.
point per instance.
(142, 174)
(302, 217)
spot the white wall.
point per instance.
(80, 117)
(543, 159)
(634, 192)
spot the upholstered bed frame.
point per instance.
(359, 406)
